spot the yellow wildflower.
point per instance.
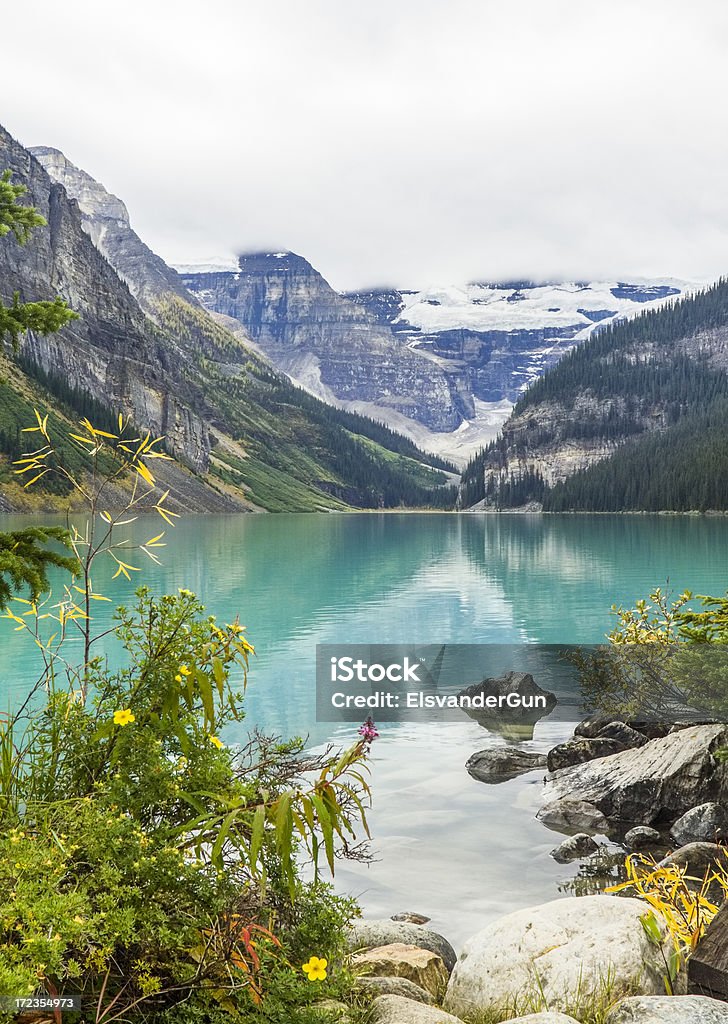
(315, 969)
(184, 670)
(216, 742)
(124, 717)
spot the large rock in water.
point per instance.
(503, 763)
(669, 1010)
(383, 932)
(654, 783)
(517, 702)
(566, 815)
(557, 949)
(705, 823)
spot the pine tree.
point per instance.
(18, 317)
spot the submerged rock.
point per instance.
(383, 931)
(656, 782)
(669, 1010)
(557, 950)
(705, 823)
(503, 763)
(580, 845)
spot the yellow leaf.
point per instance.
(165, 514)
(144, 473)
(37, 477)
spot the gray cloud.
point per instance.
(395, 141)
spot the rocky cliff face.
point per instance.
(112, 351)
(144, 346)
(105, 219)
(333, 346)
(448, 359)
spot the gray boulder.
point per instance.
(580, 751)
(556, 952)
(384, 932)
(696, 858)
(393, 987)
(398, 1010)
(566, 815)
(659, 781)
(580, 845)
(593, 725)
(669, 1010)
(503, 763)
(624, 734)
(641, 836)
(705, 823)
(510, 721)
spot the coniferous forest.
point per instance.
(653, 389)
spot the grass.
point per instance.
(585, 1006)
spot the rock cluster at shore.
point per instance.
(642, 785)
(544, 956)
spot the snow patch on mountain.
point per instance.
(213, 265)
(525, 306)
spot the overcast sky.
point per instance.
(409, 142)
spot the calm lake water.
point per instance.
(446, 846)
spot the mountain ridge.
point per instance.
(490, 340)
(251, 439)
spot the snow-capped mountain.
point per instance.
(478, 345)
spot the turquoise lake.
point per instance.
(445, 845)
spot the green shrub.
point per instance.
(146, 865)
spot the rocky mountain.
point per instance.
(105, 218)
(479, 346)
(331, 345)
(621, 422)
(243, 435)
(508, 334)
